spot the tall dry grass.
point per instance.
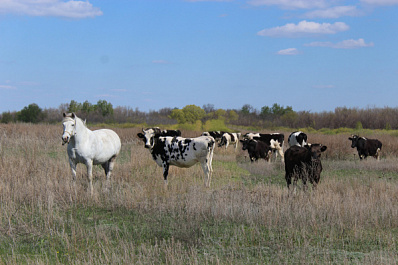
(246, 217)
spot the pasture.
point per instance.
(245, 217)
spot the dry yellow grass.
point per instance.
(247, 216)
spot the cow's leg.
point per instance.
(275, 155)
(165, 172)
(288, 178)
(210, 157)
(304, 179)
(207, 172)
(295, 179)
(280, 150)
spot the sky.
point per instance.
(312, 55)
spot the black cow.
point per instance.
(274, 140)
(366, 147)
(297, 138)
(256, 149)
(181, 152)
(303, 163)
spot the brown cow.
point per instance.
(303, 163)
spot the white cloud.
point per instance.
(334, 12)
(291, 4)
(54, 8)
(119, 90)
(323, 86)
(289, 51)
(160, 62)
(380, 2)
(345, 44)
(304, 28)
(7, 87)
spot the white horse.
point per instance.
(99, 147)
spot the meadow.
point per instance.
(245, 217)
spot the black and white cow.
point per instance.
(215, 134)
(229, 138)
(303, 163)
(274, 140)
(180, 152)
(366, 147)
(256, 149)
(297, 138)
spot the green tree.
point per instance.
(104, 108)
(220, 114)
(193, 113)
(32, 113)
(74, 106)
(232, 115)
(189, 114)
(265, 112)
(7, 117)
(87, 107)
(178, 114)
(275, 111)
(247, 109)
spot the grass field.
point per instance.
(246, 217)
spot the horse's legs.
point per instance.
(73, 169)
(89, 165)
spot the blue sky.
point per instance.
(313, 55)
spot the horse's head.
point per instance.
(69, 124)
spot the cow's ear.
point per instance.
(349, 138)
(140, 135)
(323, 148)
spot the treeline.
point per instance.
(200, 117)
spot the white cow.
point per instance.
(229, 138)
(297, 138)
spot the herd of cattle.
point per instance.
(301, 159)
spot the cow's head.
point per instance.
(245, 143)
(316, 150)
(354, 139)
(69, 124)
(148, 136)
